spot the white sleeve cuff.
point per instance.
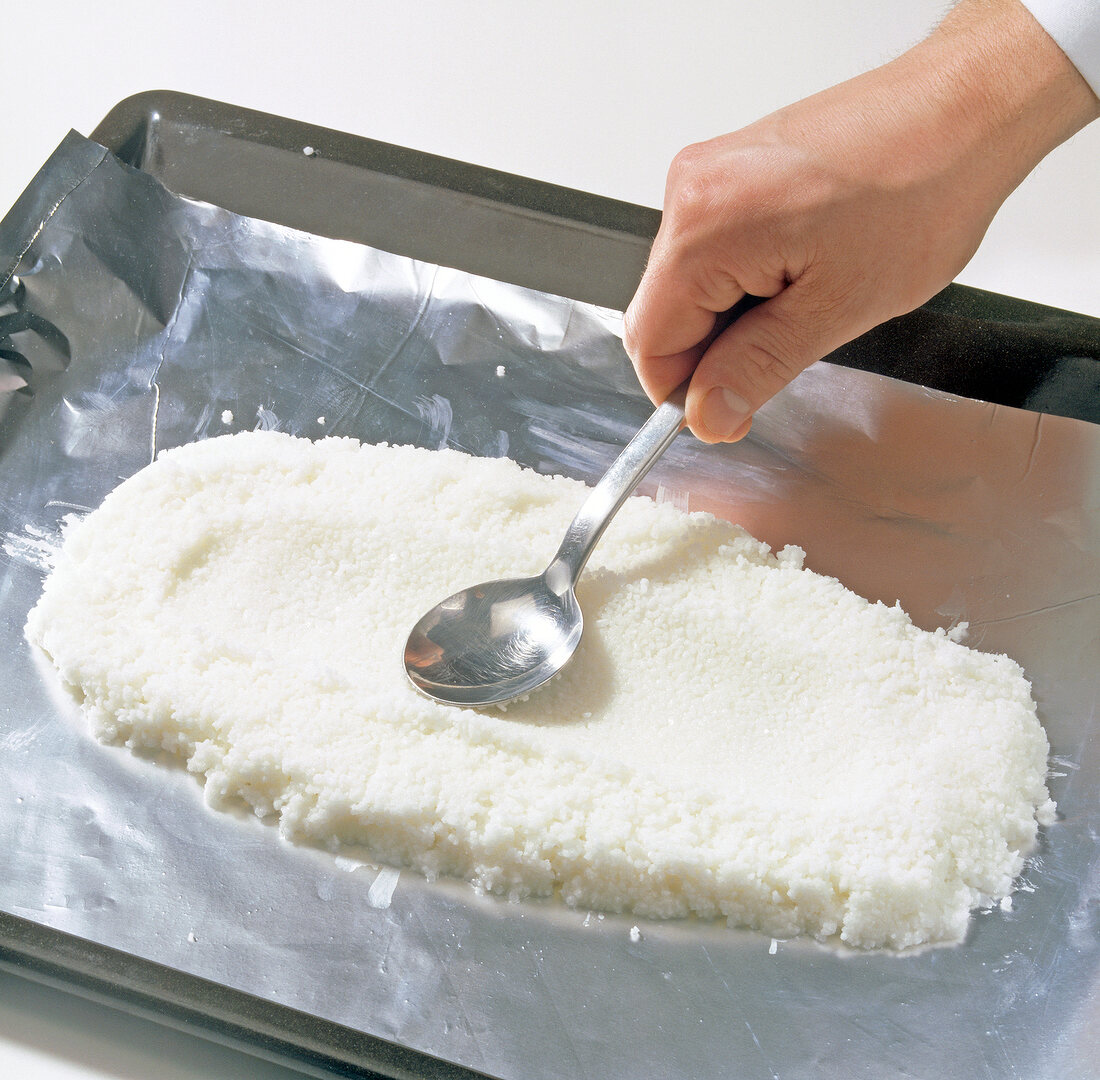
(1075, 26)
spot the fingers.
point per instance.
(754, 358)
(678, 326)
(757, 213)
(668, 327)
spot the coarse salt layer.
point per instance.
(736, 736)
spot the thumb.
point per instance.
(756, 356)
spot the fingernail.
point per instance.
(723, 412)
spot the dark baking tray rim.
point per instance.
(131, 128)
(137, 130)
(210, 1010)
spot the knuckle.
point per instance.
(769, 362)
(696, 185)
(688, 203)
(688, 161)
(716, 286)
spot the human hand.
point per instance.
(845, 210)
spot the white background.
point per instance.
(593, 95)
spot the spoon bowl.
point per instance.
(494, 642)
(497, 641)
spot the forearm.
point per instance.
(1075, 25)
(1015, 91)
(987, 86)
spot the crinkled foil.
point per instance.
(132, 320)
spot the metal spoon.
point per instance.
(495, 642)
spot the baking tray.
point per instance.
(1018, 354)
(558, 240)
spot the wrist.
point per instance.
(1007, 86)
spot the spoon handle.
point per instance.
(625, 474)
